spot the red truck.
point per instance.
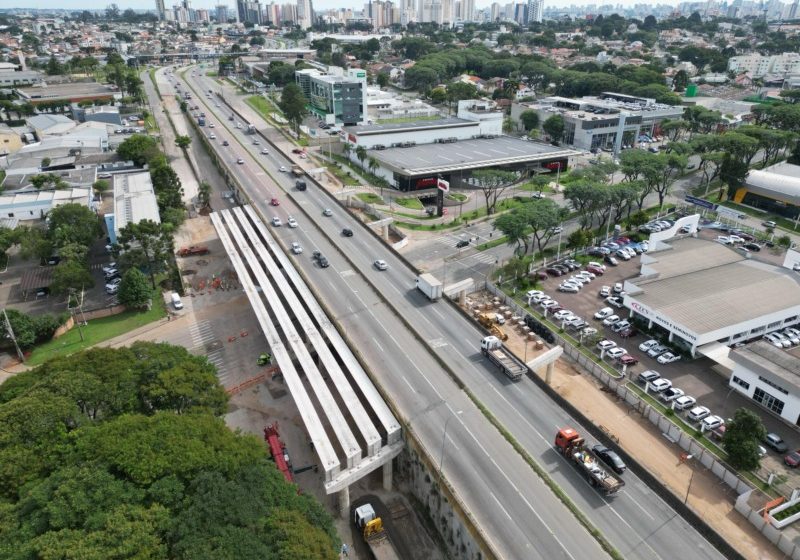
(193, 250)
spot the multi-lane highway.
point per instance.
(519, 515)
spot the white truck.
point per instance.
(502, 357)
(429, 285)
(371, 527)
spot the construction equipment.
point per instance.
(570, 443)
(278, 451)
(374, 533)
(264, 359)
(488, 321)
(193, 250)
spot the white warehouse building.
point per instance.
(708, 296)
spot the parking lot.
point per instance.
(699, 377)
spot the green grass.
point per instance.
(401, 120)
(212, 74)
(97, 331)
(342, 175)
(370, 198)
(261, 106)
(457, 196)
(151, 124)
(410, 203)
(2, 176)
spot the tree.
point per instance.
(579, 239)
(73, 223)
(514, 227)
(372, 165)
(71, 275)
(543, 216)
(680, 80)
(54, 67)
(204, 194)
(133, 290)
(743, 435)
(167, 186)
(382, 79)
(148, 246)
(30, 330)
(361, 154)
(139, 148)
(554, 127)
(529, 119)
(493, 183)
(183, 142)
(293, 104)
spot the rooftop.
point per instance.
(761, 355)
(704, 289)
(68, 90)
(134, 200)
(369, 129)
(781, 181)
(467, 154)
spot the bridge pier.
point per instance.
(548, 375)
(385, 232)
(344, 502)
(387, 476)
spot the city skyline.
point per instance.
(318, 4)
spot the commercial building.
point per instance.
(775, 189)
(769, 376)
(385, 105)
(411, 156)
(134, 201)
(758, 66)
(704, 294)
(36, 205)
(606, 122)
(70, 92)
(336, 96)
(10, 141)
(104, 114)
(15, 79)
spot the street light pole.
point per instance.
(444, 435)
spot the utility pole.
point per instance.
(13, 337)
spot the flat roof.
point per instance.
(780, 181)
(760, 355)
(58, 91)
(425, 159)
(429, 124)
(711, 293)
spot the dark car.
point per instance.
(540, 275)
(752, 247)
(792, 459)
(462, 243)
(323, 262)
(595, 270)
(562, 268)
(611, 260)
(54, 260)
(347, 232)
(628, 360)
(225, 143)
(610, 458)
(552, 271)
(628, 333)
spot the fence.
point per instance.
(704, 456)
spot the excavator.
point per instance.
(488, 320)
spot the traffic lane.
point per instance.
(428, 393)
(570, 471)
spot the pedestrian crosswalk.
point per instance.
(217, 357)
(202, 334)
(484, 257)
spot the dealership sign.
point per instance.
(666, 323)
(700, 202)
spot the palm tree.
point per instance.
(361, 154)
(347, 148)
(373, 164)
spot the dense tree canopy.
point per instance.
(120, 453)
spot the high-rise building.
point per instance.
(495, 12)
(305, 14)
(535, 11)
(792, 11)
(336, 96)
(161, 9)
(221, 14)
(468, 10)
(448, 12)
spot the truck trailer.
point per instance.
(570, 444)
(492, 347)
(429, 285)
(371, 527)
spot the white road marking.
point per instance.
(409, 384)
(377, 344)
(501, 506)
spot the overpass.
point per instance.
(351, 427)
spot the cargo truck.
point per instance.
(429, 285)
(502, 357)
(570, 443)
(251, 129)
(371, 527)
(297, 171)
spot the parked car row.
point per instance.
(656, 226)
(786, 338)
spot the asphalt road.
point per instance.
(521, 517)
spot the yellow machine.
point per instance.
(487, 320)
(374, 534)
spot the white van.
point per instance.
(176, 301)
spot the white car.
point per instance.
(549, 304)
(586, 274)
(533, 293)
(668, 358)
(111, 290)
(684, 402)
(562, 314)
(605, 291)
(615, 301)
(660, 385)
(291, 222)
(109, 267)
(792, 334)
(212, 136)
(265, 151)
(603, 313)
(657, 350)
(297, 248)
(589, 331)
(597, 265)
(282, 168)
(211, 125)
(276, 221)
(569, 288)
(605, 345)
(381, 265)
(712, 422)
(783, 338)
(617, 288)
(648, 344)
(724, 239)
(581, 280)
(616, 352)
(698, 413)
(671, 394)
(736, 239)
(620, 325)
(774, 340)
(611, 319)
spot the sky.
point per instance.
(320, 4)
